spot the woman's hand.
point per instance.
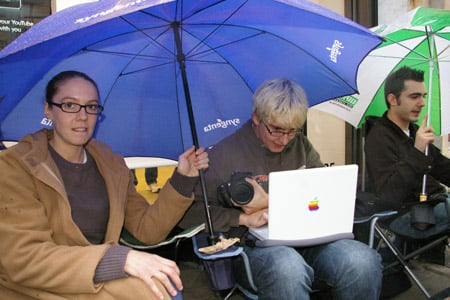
(191, 161)
(147, 266)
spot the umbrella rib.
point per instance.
(443, 50)
(169, 61)
(134, 55)
(217, 25)
(203, 41)
(152, 56)
(207, 7)
(153, 39)
(425, 58)
(184, 19)
(213, 49)
(124, 53)
(411, 50)
(262, 32)
(419, 60)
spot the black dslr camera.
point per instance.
(237, 189)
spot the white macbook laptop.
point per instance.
(309, 206)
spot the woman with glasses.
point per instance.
(271, 141)
(64, 199)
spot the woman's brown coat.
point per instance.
(43, 254)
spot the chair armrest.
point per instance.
(373, 219)
(248, 272)
(201, 240)
(129, 240)
(378, 215)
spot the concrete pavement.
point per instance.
(434, 278)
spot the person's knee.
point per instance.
(360, 272)
(364, 262)
(288, 266)
(281, 272)
(130, 288)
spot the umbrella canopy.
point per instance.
(172, 72)
(419, 39)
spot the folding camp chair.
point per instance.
(168, 248)
(380, 226)
(218, 267)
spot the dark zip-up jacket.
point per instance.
(243, 151)
(396, 167)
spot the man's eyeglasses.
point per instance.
(73, 108)
(277, 133)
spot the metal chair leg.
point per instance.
(399, 257)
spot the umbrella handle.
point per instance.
(423, 195)
(430, 37)
(212, 238)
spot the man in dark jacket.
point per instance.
(399, 153)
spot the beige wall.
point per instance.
(326, 132)
(58, 5)
(335, 5)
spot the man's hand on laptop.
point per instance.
(256, 219)
(259, 201)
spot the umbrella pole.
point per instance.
(423, 196)
(213, 238)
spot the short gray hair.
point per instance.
(282, 101)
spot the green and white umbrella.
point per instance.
(419, 39)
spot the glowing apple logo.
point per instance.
(313, 205)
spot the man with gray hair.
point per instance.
(272, 140)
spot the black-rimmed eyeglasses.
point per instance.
(279, 133)
(73, 108)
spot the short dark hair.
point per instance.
(395, 82)
(53, 84)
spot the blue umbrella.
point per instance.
(167, 67)
(176, 73)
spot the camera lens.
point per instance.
(242, 192)
(237, 189)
